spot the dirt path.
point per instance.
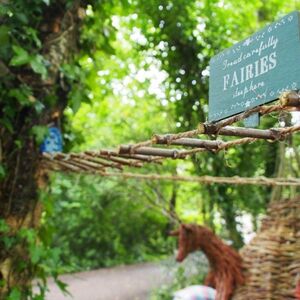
(120, 283)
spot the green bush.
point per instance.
(96, 223)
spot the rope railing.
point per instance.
(235, 180)
(158, 148)
(288, 102)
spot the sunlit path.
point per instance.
(126, 283)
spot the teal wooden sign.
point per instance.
(256, 70)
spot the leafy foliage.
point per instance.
(97, 223)
(40, 260)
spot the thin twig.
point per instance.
(235, 180)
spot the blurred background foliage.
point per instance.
(146, 72)
(100, 223)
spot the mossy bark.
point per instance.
(19, 153)
(14, 263)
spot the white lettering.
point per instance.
(264, 67)
(242, 74)
(273, 61)
(257, 68)
(226, 81)
(253, 70)
(270, 43)
(234, 79)
(249, 72)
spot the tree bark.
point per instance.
(281, 163)
(19, 202)
(172, 208)
(276, 194)
(228, 210)
(231, 226)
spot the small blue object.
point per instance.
(252, 121)
(53, 142)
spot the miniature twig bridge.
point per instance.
(137, 155)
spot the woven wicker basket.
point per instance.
(272, 259)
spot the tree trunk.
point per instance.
(172, 208)
(281, 162)
(276, 194)
(231, 226)
(228, 211)
(20, 208)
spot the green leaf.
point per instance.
(2, 283)
(15, 294)
(21, 56)
(4, 35)
(32, 33)
(40, 132)
(22, 94)
(2, 172)
(38, 297)
(28, 234)
(63, 286)
(8, 242)
(37, 64)
(39, 106)
(76, 100)
(47, 2)
(18, 143)
(3, 226)
(4, 41)
(8, 124)
(36, 253)
(4, 10)
(22, 17)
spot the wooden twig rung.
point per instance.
(189, 142)
(144, 158)
(172, 153)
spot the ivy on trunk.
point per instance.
(37, 38)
